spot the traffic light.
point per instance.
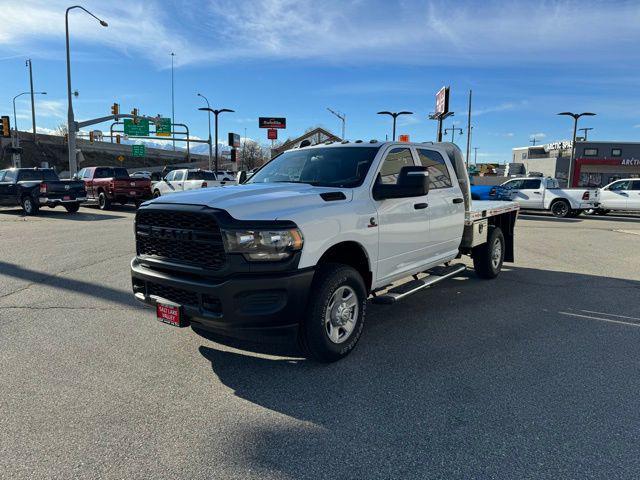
(115, 109)
(134, 112)
(91, 136)
(234, 155)
(118, 139)
(5, 131)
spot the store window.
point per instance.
(590, 152)
(616, 152)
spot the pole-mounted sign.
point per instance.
(140, 129)
(163, 127)
(272, 134)
(272, 122)
(234, 140)
(442, 102)
(138, 150)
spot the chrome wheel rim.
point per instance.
(496, 253)
(28, 206)
(341, 314)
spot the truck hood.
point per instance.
(259, 201)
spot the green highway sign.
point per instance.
(139, 130)
(138, 150)
(163, 127)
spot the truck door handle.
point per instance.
(420, 206)
(458, 200)
(537, 193)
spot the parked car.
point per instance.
(621, 195)
(33, 188)
(489, 192)
(294, 253)
(108, 185)
(184, 179)
(538, 193)
(142, 174)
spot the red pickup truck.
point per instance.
(107, 185)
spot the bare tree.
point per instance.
(252, 155)
(62, 129)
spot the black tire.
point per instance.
(103, 202)
(315, 338)
(156, 193)
(602, 212)
(575, 213)
(29, 206)
(560, 209)
(72, 207)
(489, 257)
(137, 203)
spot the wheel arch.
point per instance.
(353, 254)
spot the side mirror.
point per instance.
(412, 182)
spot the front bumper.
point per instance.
(60, 201)
(246, 307)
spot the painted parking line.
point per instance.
(602, 319)
(611, 315)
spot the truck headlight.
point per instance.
(263, 245)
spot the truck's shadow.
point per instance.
(83, 215)
(469, 377)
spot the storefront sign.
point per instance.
(442, 102)
(272, 122)
(630, 161)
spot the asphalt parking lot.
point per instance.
(533, 375)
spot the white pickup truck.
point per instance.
(187, 179)
(538, 193)
(621, 195)
(295, 252)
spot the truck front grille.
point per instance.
(190, 238)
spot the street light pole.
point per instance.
(209, 118)
(71, 124)
(342, 117)
(395, 115)
(216, 113)
(575, 117)
(475, 155)
(453, 131)
(173, 113)
(585, 130)
(33, 105)
(15, 141)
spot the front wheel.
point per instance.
(488, 257)
(561, 209)
(156, 193)
(335, 314)
(29, 206)
(72, 207)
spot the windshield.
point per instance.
(325, 167)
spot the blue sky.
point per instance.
(525, 61)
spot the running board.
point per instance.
(436, 275)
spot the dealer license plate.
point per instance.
(67, 197)
(170, 314)
(132, 193)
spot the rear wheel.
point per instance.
(29, 206)
(335, 314)
(488, 257)
(72, 207)
(103, 202)
(156, 193)
(561, 209)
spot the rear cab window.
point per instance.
(439, 176)
(120, 173)
(531, 184)
(49, 176)
(29, 175)
(103, 172)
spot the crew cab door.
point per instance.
(446, 205)
(531, 193)
(179, 180)
(7, 185)
(633, 201)
(403, 223)
(615, 196)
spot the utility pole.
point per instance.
(342, 117)
(33, 105)
(585, 130)
(71, 123)
(395, 115)
(475, 155)
(173, 110)
(469, 127)
(575, 117)
(244, 149)
(533, 141)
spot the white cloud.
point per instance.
(537, 136)
(637, 125)
(423, 31)
(503, 107)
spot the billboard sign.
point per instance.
(272, 134)
(234, 140)
(442, 102)
(272, 122)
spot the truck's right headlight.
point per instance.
(266, 245)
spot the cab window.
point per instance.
(531, 184)
(436, 166)
(2, 172)
(103, 173)
(10, 176)
(29, 175)
(170, 176)
(515, 184)
(179, 176)
(624, 185)
(635, 185)
(396, 159)
(49, 176)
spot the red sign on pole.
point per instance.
(442, 102)
(272, 134)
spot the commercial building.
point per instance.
(596, 164)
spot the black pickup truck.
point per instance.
(33, 188)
